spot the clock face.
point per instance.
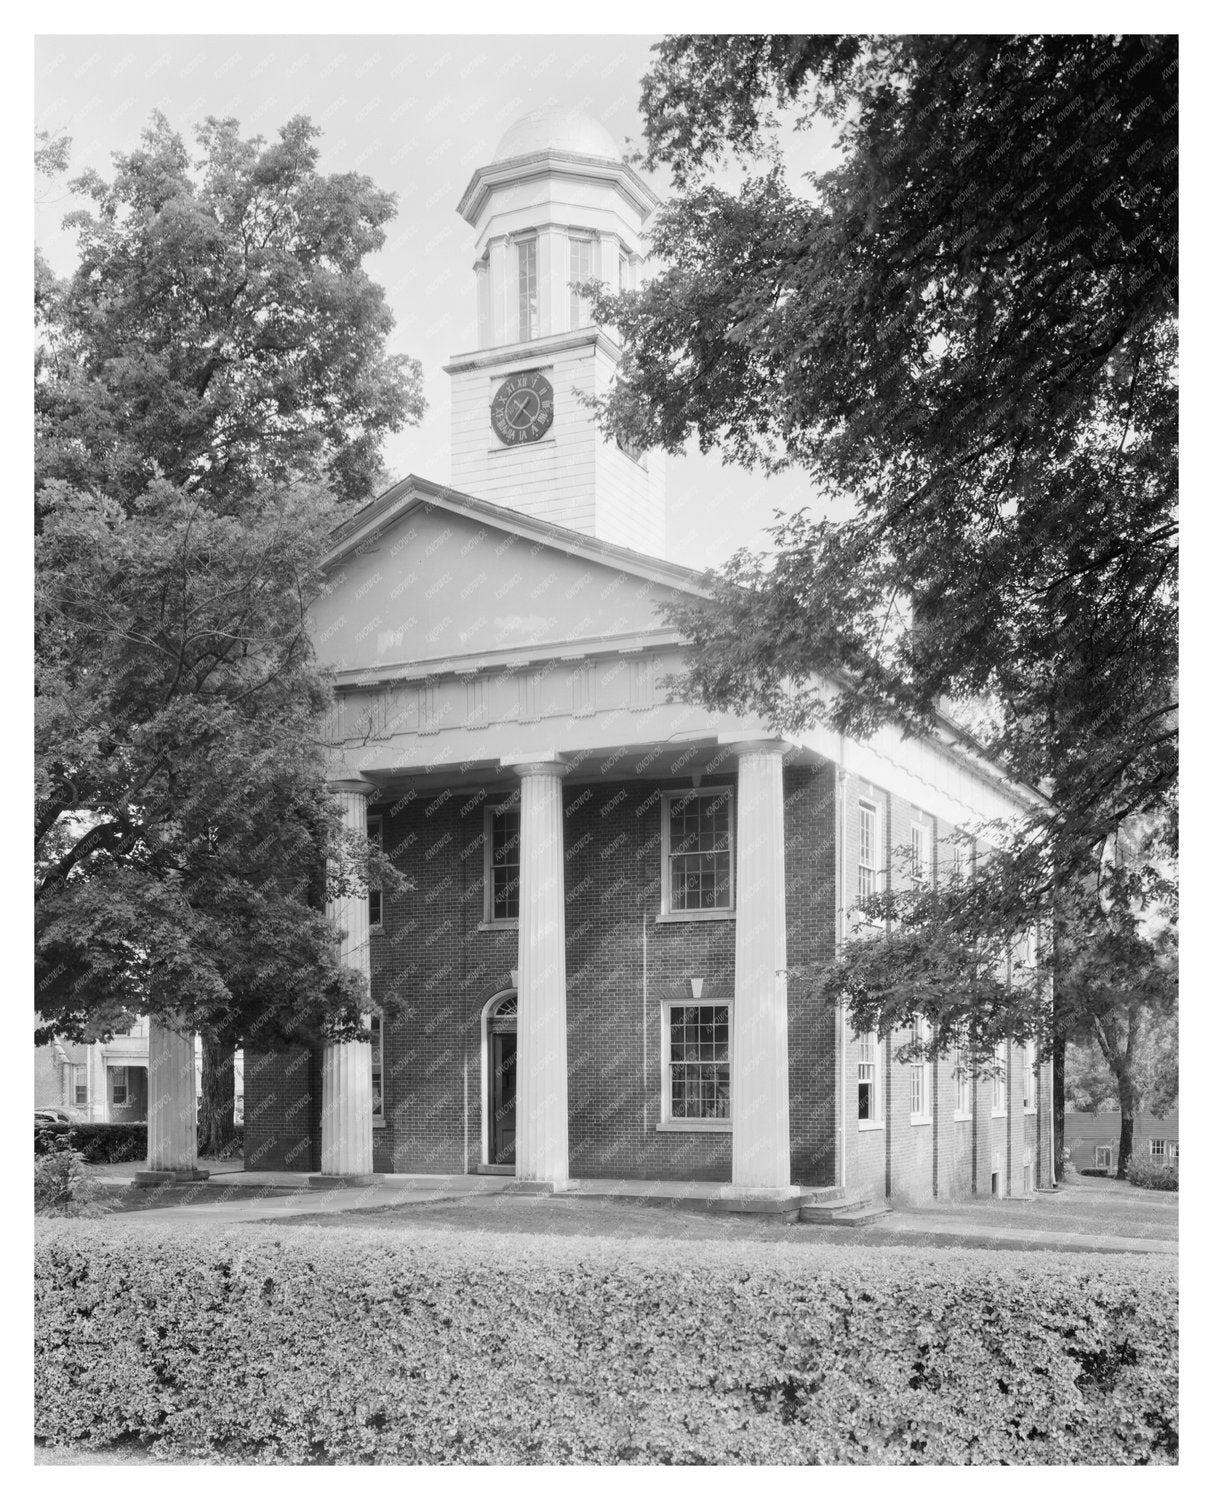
(522, 409)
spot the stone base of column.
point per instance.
(734, 1195)
(342, 1179)
(157, 1179)
(530, 1188)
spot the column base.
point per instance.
(159, 1178)
(734, 1195)
(529, 1187)
(323, 1180)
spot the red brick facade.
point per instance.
(436, 956)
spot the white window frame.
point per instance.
(922, 855)
(528, 328)
(876, 867)
(123, 1083)
(490, 812)
(1002, 1078)
(876, 1119)
(1108, 1155)
(1030, 1082)
(378, 1117)
(669, 913)
(668, 1122)
(920, 1077)
(79, 1084)
(963, 1075)
(374, 894)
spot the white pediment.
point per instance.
(424, 579)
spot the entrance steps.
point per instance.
(847, 1210)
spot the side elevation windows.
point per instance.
(920, 1077)
(871, 846)
(868, 1097)
(378, 1116)
(964, 1087)
(922, 855)
(1029, 1077)
(1002, 1062)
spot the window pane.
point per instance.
(699, 1062)
(505, 844)
(700, 852)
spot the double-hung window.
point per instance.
(118, 1085)
(869, 849)
(697, 853)
(869, 1081)
(502, 862)
(528, 290)
(920, 1076)
(79, 1084)
(580, 270)
(964, 1087)
(374, 897)
(1002, 1062)
(695, 1048)
(921, 855)
(1029, 1076)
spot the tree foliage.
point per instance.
(220, 328)
(965, 331)
(211, 389)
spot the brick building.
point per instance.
(606, 964)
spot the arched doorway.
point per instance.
(500, 1075)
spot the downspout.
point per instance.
(840, 936)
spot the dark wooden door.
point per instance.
(503, 1084)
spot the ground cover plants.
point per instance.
(359, 1346)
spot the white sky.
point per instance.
(417, 114)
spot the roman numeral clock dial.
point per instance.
(522, 409)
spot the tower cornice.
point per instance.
(565, 163)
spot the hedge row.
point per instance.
(369, 1346)
(96, 1142)
(1161, 1176)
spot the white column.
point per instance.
(345, 1072)
(541, 1150)
(761, 1134)
(172, 1107)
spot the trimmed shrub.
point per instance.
(96, 1142)
(61, 1185)
(1162, 1176)
(369, 1346)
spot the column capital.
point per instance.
(755, 744)
(538, 765)
(357, 786)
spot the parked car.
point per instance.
(58, 1114)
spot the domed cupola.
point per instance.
(556, 206)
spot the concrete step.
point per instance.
(850, 1210)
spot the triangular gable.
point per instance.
(426, 576)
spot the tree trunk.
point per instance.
(1059, 1103)
(1125, 1091)
(216, 1118)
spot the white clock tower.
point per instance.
(556, 206)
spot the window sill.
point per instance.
(375, 927)
(1029, 1111)
(922, 1119)
(998, 1114)
(501, 924)
(725, 914)
(959, 1118)
(705, 1127)
(378, 1124)
(871, 1124)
